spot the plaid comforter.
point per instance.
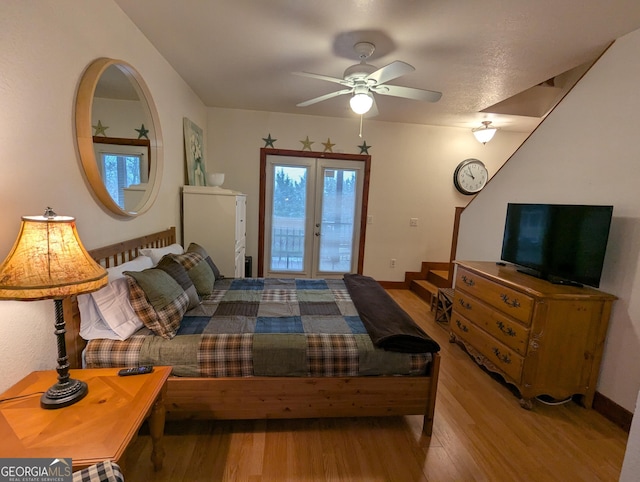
(264, 327)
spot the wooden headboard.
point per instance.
(108, 256)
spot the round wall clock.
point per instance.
(470, 176)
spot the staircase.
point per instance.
(432, 275)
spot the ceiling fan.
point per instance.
(363, 79)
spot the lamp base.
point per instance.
(64, 394)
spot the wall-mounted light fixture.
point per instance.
(485, 133)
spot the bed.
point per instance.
(273, 394)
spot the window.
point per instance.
(122, 166)
(119, 172)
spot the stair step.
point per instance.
(444, 274)
(439, 278)
(426, 285)
(424, 289)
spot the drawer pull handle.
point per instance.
(512, 303)
(461, 326)
(468, 281)
(464, 304)
(505, 329)
(504, 358)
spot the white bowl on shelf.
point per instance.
(215, 179)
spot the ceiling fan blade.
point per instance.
(324, 97)
(389, 72)
(408, 92)
(322, 77)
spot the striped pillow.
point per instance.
(163, 319)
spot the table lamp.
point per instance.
(48, 261)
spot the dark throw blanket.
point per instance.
(388, 325)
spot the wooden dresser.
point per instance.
(543, 338)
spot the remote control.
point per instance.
(135, 371)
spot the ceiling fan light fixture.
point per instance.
(361, 103)
(485, 133)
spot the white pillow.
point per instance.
(138, 264)
(91, 325)
(107, 313)
(100, 317)
(115, 308)
(156, 254)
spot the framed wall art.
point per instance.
(194, 159)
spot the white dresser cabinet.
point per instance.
(214, 218)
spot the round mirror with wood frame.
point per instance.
(111, 92)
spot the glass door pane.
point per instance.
(288, 220)
(338, 213)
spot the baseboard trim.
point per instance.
(612, 411)
(393, 285)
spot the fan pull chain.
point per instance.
(360, 133)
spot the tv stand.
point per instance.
(543, 338)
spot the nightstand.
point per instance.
(98, 427)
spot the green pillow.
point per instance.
(163, 322)
(198, 270)
(158, 286)
(178, 273)
(196, 248)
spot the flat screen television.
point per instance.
(562, 243)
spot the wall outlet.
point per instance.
(413, 222)
(393, 262)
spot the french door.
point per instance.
(313, 211)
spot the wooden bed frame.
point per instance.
(269, 397)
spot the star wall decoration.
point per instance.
(100, 129)
(268, 141)
(306, 144)
(142, 132)
(328, 147)
(364, 148)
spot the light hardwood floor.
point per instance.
(480, 433)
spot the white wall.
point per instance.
(631, 463)
(411, 176)
(586, 151)
(44, 48)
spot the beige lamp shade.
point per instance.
(48, 261)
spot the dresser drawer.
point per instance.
(501, 327)
(511, 302)
(500, 355)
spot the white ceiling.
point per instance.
(240, 53)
